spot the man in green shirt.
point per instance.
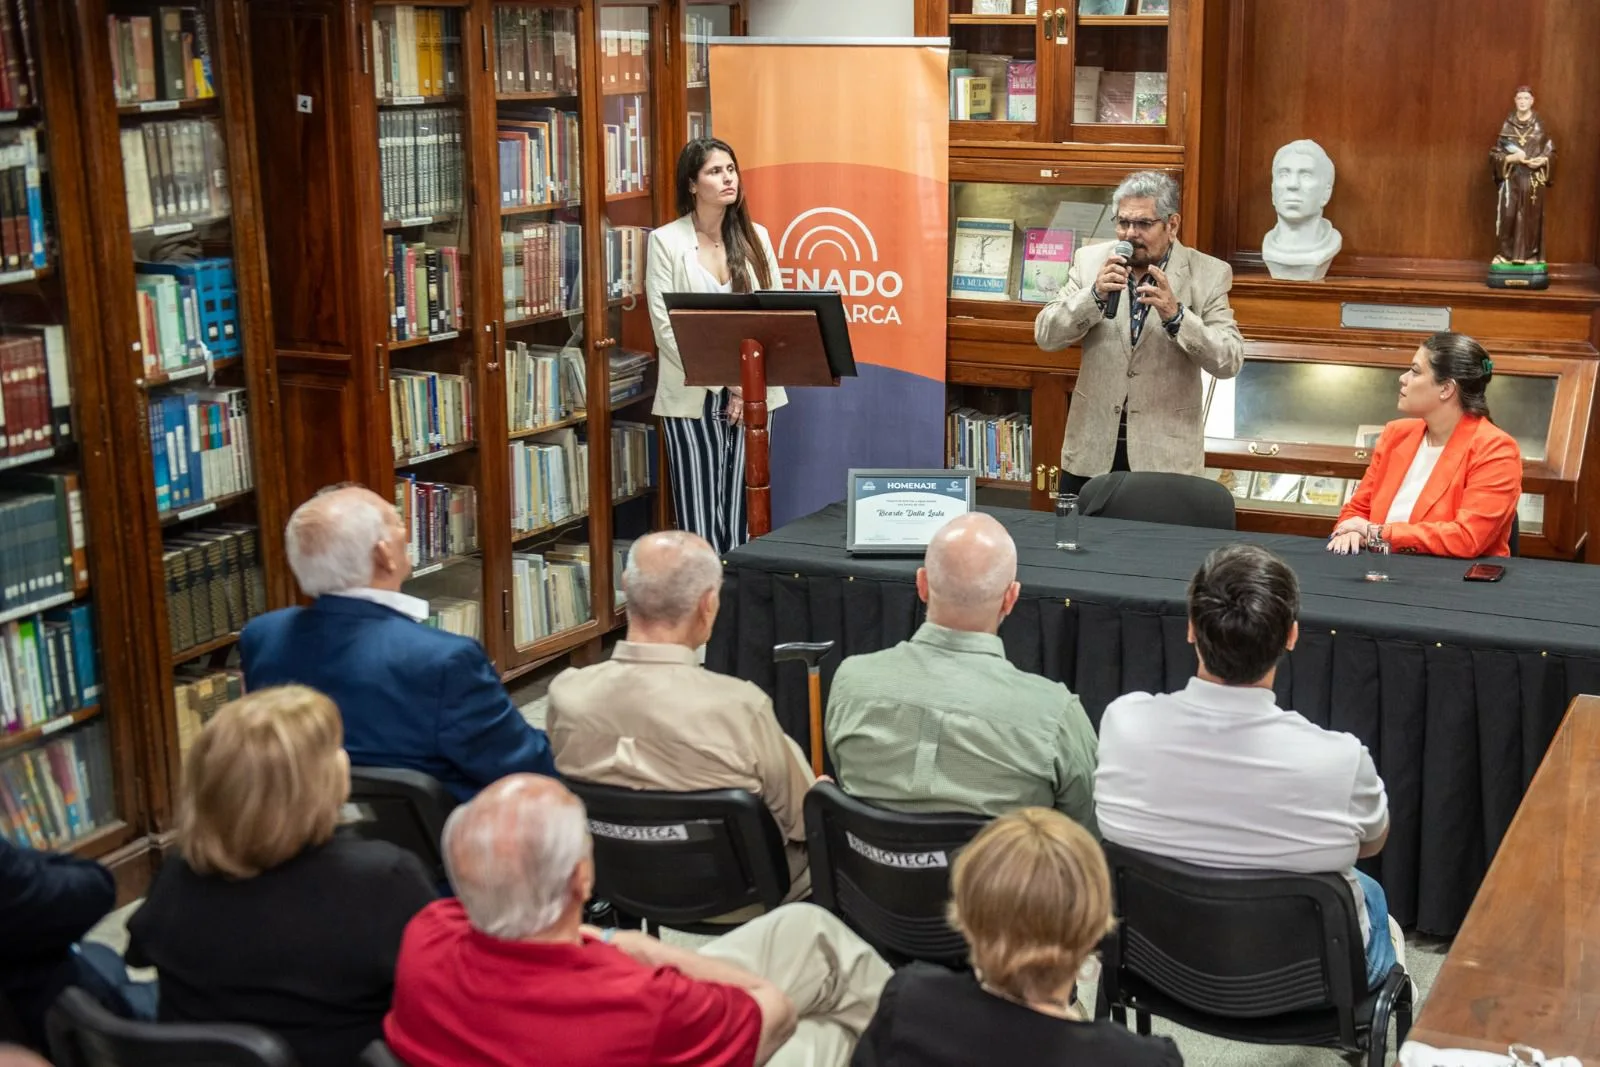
(944, 722)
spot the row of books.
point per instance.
(1288, 488)
(986, 85)
(441, 519)
(981, 257)
(174, 171)
(22, 215)
(214, 583)
(58, 793)
(167, 57)
(35, 389)
(47, 667)
(624, 49)
(455, 615)
(698, 31)
(541, 269)
(188, 313)
(429, 411)
(1119, 96)
(200, 442)
(633, 458)
(627, 253)
(198, 692)
(549, 480)
(626, 374)
(419, 162)
(536, 49)
(417, 51)
(549, 591)
(43, 547)
(18, 72)
(426, 288)
(627, 144)
(538, 157)
(544, 384)
(996, 446)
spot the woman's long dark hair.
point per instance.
(738, 232)
(1455, 357)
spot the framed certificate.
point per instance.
(897, 512)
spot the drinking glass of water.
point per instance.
(1067, 521)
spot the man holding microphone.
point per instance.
(1151, 314)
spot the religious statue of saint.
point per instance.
(1521, 158)
(1303, 243)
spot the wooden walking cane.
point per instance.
(810, 653)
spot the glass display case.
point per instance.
(1119, 73)
(1014, 242)
(701, 22)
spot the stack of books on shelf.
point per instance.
(549, 480)
(416, 51)
(627, 249)
(429, 412)
(165, 57)
(197, 694)
(633, 458)
(536, 50)
(624, 49)
(426, 288)
(22, 215)
(47, 667)
(455, 615)
(698, 31)
(1119, 96)
(441, 519)
(43, 555)
(200, 445)
(627, 144)
(995, 446)
(544, 384)
(549, 591)
(175, 173)
(35, 389)
(214, 583)
(59, 793)
(626, 370)
(419, 161)
(18, 72)
(538, 157)
(986, 85)
(540, 269)
(188, 314)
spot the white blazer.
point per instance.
(672, 269)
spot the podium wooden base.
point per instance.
(757, 457)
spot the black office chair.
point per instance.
(887, 873)
(379, 1054)
(1155, 496)
(403, 807)
(1258, 956)
(678, 859)
(84, 1034)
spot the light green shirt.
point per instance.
(944, 722)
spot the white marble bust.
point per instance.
(1303, 243)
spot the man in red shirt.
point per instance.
(506, 974)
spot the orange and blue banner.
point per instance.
(844, 148)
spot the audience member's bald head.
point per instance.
(333, 539)
(17, 1056)
(673, 579)
(518, 855)
(968, 576)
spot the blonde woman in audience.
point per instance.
(1032, 896)
(265, 915)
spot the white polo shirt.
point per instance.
(1220, 776)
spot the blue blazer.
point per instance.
(410, 695)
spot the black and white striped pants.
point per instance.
(706, 457)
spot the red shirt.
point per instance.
(464, 998)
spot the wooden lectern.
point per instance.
(754, 340)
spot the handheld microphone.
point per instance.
(1123, 250)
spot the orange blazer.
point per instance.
(1466, 507)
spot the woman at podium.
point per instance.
(712, 247)
(1446, 480)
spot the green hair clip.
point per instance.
(1488, 365)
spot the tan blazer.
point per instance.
(1158, 381)
(671, 269)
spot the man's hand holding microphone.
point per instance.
(1112, 281)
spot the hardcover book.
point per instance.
(981, 259)
(1046, 258)
(1022, 99)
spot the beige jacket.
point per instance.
(671, 269)
(1159, 380)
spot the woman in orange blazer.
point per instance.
(1446, 481)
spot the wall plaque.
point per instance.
(1393, 317)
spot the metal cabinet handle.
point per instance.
(1257, 450)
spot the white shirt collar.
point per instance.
(413, 608)
(1229, 697)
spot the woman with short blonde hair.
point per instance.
(1032, 896)
(266, 915)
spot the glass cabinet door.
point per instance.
(1014, 243)
(1001, 59)
(1121, 68)
(701, 23)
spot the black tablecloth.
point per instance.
(1456, 687)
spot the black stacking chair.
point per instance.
(679, 859)
(403, 807)
(379, 1054)
(1516, 531)
(887, 873)
(1156, 496)
(84, 1034)
(1258, 956)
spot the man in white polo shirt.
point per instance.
(1218, 775)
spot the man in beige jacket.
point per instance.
(1138, 400)
(651, 717)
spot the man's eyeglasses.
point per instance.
(1138, 225)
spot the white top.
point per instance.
(1220, 776)
(711, 279)
(1416, 477)
(413, 608)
